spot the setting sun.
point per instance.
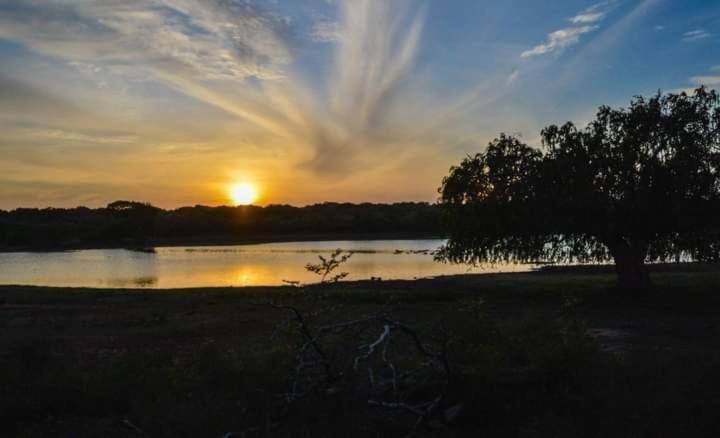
(244, 193)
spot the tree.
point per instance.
(137, 217)
(638, 184)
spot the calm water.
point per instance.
(241, 265)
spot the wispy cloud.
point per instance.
(593, 14)
(221, 86)
(709, 81)
(587, 17)
(239, 58)
(559, 40)
(696, 35)
(327, 32)
(585, 22)
(597, 50)
(373, 60)
(513, 77)
(63, 135)
(212, 39)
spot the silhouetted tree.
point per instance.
(129, 224)
(137, 219)
(636, 185)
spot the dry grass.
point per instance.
(532, 354)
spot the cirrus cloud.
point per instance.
(212, 39)
(559, 40)
(696, 35)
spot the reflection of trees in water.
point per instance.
(133, 282)
(238, 250)
(145, 281)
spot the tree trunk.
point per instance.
(632, 275)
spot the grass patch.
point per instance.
(532, 355)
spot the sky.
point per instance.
(174, 101)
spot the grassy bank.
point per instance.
(530, 355)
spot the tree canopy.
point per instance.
(136, 224)
(637, 184)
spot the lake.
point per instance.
(241, 265)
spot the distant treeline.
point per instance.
(134, 224)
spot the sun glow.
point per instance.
(244, 193)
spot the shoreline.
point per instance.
(223, 241)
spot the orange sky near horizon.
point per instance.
(172, 102)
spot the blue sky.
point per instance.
(173, 101)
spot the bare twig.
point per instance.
(386, 382)
(133, 427)
(371, 348)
